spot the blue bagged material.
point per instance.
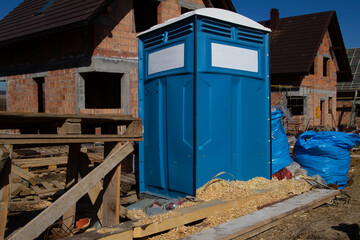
(326, 154)
(279, 146)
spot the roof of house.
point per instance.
(354, 60)
(26, 19)
(295, 42)
(39, 16)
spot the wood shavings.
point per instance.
(136, 214)
(272, 190)
(157, 218)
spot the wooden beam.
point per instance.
(28, 176)
(58, 136)
(259, 221)
(4, 191)
(190, 214)
(40, 162)
(71, 179)
(47, 217)
(57, 139)
(109, 204)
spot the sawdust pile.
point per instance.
(156, 218)
(266, 191)
(136, 214)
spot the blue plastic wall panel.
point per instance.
(166, 64)
(232, 102)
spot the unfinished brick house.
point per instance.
(348, 104)
(307, 59)
(80, 56)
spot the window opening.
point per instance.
(357, 110)
(322, 103)
(2, 95)
(40, 82)
(102, 90)
(145, 14)
(325, 66)
(330, 105)
(296, 105)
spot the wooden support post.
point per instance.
(111, 180)
(4, 188)
(71, 180)
(111, 195)
(47, 217)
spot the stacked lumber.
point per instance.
(27, 186)
(42, 159)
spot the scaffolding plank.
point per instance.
(259, 221)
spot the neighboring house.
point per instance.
(2, 100)
(80, 56)
(348, 103)
(307, 59)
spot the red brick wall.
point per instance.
(315, 83)
(117, 41)
(22, 94)
(60, 91)
(121, 41)
(319, 82)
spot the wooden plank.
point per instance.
(25, 191)
(50, 141)
(106, 117)
(190, 214)
(58, 136)
(28, 176)
(37, 190)
(15, 189)
(58, 184)
(259, 221)
(47, 217)
(48, 187)
(40, 162)
(4, 194)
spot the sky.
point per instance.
(348, 13)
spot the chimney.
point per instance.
(274, 18)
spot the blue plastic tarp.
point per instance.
(326, 154)
(279, 146)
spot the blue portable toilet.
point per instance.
(204, 101)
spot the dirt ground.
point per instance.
(339, 219)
